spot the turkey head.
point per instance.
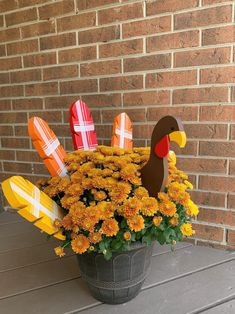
(155, 172)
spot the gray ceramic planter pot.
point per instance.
(119, 279)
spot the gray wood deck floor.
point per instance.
(33, 280)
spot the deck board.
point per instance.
(224, 308)
(10, 217)
(34, 280)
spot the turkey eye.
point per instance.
(172, 129)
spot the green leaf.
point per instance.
(102, 246)
(147, 239)
(108, 255)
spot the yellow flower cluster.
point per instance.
(104, 188)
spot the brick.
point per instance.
(40, 169)
(8, 5)
(7, 155)
(13, 117)
(41, 89)
(157, 7)
(147, 27)
(189, 149)
(216, 183)
(17, 167)
(121, 83)
(9, 34)
(233, 93)
(77, 54)
(10, 63)
(232, 132)
(222, 149)
(100, 68)
(56, 9)
(231, 201)
(232, 167)
(76, 21)
(206, 131)
(147, 63)
(60, 102)
(5, 104)
(206, 198)
(6, 130)
(78, 86)
(200, 95)
(218, 75)
(21, 130)
(4, 78)
(204, 165)
(173, 41)
(1, 21)
(20, 17)
(117, 49)
(11, 91)
(231, 237)
(2, 50)
(31, 156)
(217, 113)
(60, 72)
(202, 57)
(25, 76)
(102, 100)
(49, 116)
(146, 98)
(163, 79)
(102, 34)
(104, 131)
(58, 41)
(39, 59)
(217, 15)
(63, 130)
(12, 142)
(84, 4)
(216, 216)
(26, 3)
(136, 115)
(218, 35)
(208, 232)
(22, 47)
(38, 29)
(185, 113)
(142, 131)
(120, 13)
(27, 104)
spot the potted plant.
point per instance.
(111, 221)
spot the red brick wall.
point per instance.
(149, 58)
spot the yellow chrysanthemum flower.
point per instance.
(149, 206)
(59, 251)
(80, 244)
(127, 236)
(131, 207)
(110, 227)
(174, 221)
(95, 237)
(157, 221)
(136, 223)
(191, 208)
(141, 192)
(167, 208)
(187, 230)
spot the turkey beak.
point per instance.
(178, 137)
